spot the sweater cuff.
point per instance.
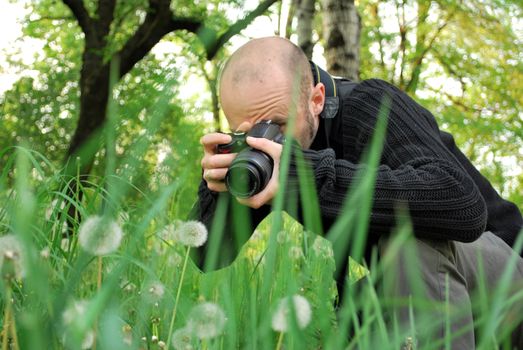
(315, 160)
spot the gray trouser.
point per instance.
(466, 275)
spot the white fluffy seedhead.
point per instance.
(183, 339)
(206, 320)
(12, 257)
(191, 234)
(100, 236)
(281, 318)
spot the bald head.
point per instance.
(266, 60)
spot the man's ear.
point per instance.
(317, 99)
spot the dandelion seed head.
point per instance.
(183, 339)
(88, 340)
(127, 334)
(127, 286)
(99, 236)
(206, 320)
(161, 344)
(257, 235)
(295, 253)
(12, 258)
(302, 309)
(322, 248)
(154, 291)
(76, 310)
(192, 234)
(168, 233)
(45, 253)
(282, 237)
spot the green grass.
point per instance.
(123, 313)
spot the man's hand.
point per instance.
(274, 150)
(214, 165)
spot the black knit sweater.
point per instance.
(420, 167)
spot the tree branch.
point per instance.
(105, 15)
(213, 44)
(375, 10)
(403, 41)
(290, 17)
(419, 60)
(81, 14)
(50, 18)
(158, 22)
(118, 21)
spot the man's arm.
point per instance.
(416, 169)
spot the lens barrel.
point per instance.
(249, 173)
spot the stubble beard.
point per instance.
(311, 130)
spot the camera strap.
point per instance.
(333, 91)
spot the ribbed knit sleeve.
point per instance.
(415, 169)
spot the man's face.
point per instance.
(269, 98)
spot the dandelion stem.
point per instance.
(13, 334)
(99, 277)
(9, 321)
(280, 341)
(7, 317)
(171, 326)
(98, 287)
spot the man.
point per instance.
(450, 204)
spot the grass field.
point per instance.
(124, 280)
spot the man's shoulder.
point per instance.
(372, 86)
(375, 84)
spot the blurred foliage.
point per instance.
(464, 62)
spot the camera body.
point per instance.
(251, 170)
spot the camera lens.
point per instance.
(249, 173)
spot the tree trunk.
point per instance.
(305, 15)
(341, 31)
(94, 95)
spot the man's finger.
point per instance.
(218, 161)
(217, 186)
(273, 149)
(209, 141)
(215, 175)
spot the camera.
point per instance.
(251, 170)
